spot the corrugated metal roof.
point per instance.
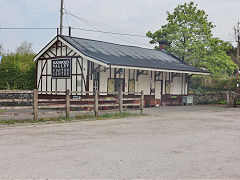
(122, 55)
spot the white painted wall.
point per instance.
(158, 89)
(143, 83)
(176, 85)
(57, 83)
(103, 80)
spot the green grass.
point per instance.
(106, 116)
(84, 117)
(225, 102)
(2, 111)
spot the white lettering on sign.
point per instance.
(61, 68)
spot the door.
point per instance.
(119, 84)
(158, 91)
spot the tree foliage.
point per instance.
(24, 48)
(1, 49)
(189, 35)
(17, 70)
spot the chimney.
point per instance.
(163, 45)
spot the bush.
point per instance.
(206, 83)
(17, 71)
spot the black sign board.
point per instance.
(61, 68)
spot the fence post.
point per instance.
(67, 103)
(142, 102)
(96, 103)
(120, 100)
(228, 99)
(35, 104)
(234, 99)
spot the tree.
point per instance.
(1, 50)
(17, 70)
(25, 48)
(189, 35)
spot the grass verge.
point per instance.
(225, 102)
(84, 117)
(2, 111)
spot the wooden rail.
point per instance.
(97, 100)
(232, 98)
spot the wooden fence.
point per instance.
(232, 98)
(67, 100)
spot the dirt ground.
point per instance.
(199, 142)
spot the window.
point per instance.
(131, 85)
(111, 86)
(167, 87)
(96, 76)
(152, 84)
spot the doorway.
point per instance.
(119, 85)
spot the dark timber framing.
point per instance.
(44, 60)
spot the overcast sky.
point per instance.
(125, 16)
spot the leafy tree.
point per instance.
(17, 70)
(189, 35)
(1, 49)
(25, 48)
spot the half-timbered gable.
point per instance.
(75, 81)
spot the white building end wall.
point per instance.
(47, 83)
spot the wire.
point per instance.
(107, 32)
(25, 28)
(65, 13)
(117, 33)
(81, 29)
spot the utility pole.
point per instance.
(61, 17)
(238, 39)
(237, 36)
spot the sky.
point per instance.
(124, 16)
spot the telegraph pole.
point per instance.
(61, 17)
(237, 36)
(238, 39)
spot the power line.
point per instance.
(80, 29)
(117, 33)
(27, 28)
(107, 32)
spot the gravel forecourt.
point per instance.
(199, 142)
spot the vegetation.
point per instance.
(207, 84)
(17, 69)
(225, 102)
(86, 117)
(189, 35)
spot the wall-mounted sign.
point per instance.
(61, 68)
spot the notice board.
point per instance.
(61, 68)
